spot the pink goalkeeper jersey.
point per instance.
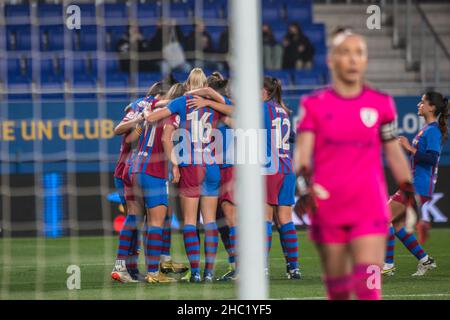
(347, 159)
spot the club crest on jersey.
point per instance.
(144, 104)
(369, 116)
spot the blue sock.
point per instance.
(211, 243)
(390, 246)
(192, 246)
(232, 250)
(411, 243)
(125, 236)
(288, 236)
(153, 248)
(167, 236)
(269, 237)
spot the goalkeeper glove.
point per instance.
(307, 198)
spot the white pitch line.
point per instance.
(430, 295)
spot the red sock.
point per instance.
(338, 288)
(364, 283)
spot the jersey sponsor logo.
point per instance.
(369, 116)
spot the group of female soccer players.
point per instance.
(180, 134)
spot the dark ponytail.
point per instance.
(440, 102)
(275, 91)
(218, 82)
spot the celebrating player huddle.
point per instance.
(177, 138)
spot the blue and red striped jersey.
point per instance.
(278, 129)
(196, 139)
(429, 138)
(150, 158)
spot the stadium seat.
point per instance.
(21, 84)
(315, 33)
(212, 10)
(146, 79)
(307, 78)
(295, 3)
(115, 11)
(19, 78)
(112, 66)
(301, 13)
(148, 31)
(84, 82)
(88, 10)
(79, 66)
(17, 13)
(279, 32)
(215, 33)
(117, 81)
(51, 37)
(320, 59)
(113, 35)
(186, 29)
(18, 37)
(283, 75)
(19, 67)
(52, 67)
(180, 76)
(50, 11)
(272, 12)
(148, 10)
(47, 67)
(84, 66)
(54, 83)
(181, 10)
(85, 39)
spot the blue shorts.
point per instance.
(118, 183)
(211, 184)
(153, 190)
(286, 197)
(280, 189)
(199, 181)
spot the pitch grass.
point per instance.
(35, 268)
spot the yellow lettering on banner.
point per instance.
(8, 131)
(107, 129)
(27, 136)
(45, 129)
(87, 129)
(76, 135)
(63, 135)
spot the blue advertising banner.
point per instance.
(78, 136)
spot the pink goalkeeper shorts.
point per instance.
(322, 234)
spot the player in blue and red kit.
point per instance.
(125, 269)
(199, 174)
(424, 153)
(149, 176)
(279, 173)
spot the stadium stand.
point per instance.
(109, 21)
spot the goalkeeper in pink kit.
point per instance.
(342, 132)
